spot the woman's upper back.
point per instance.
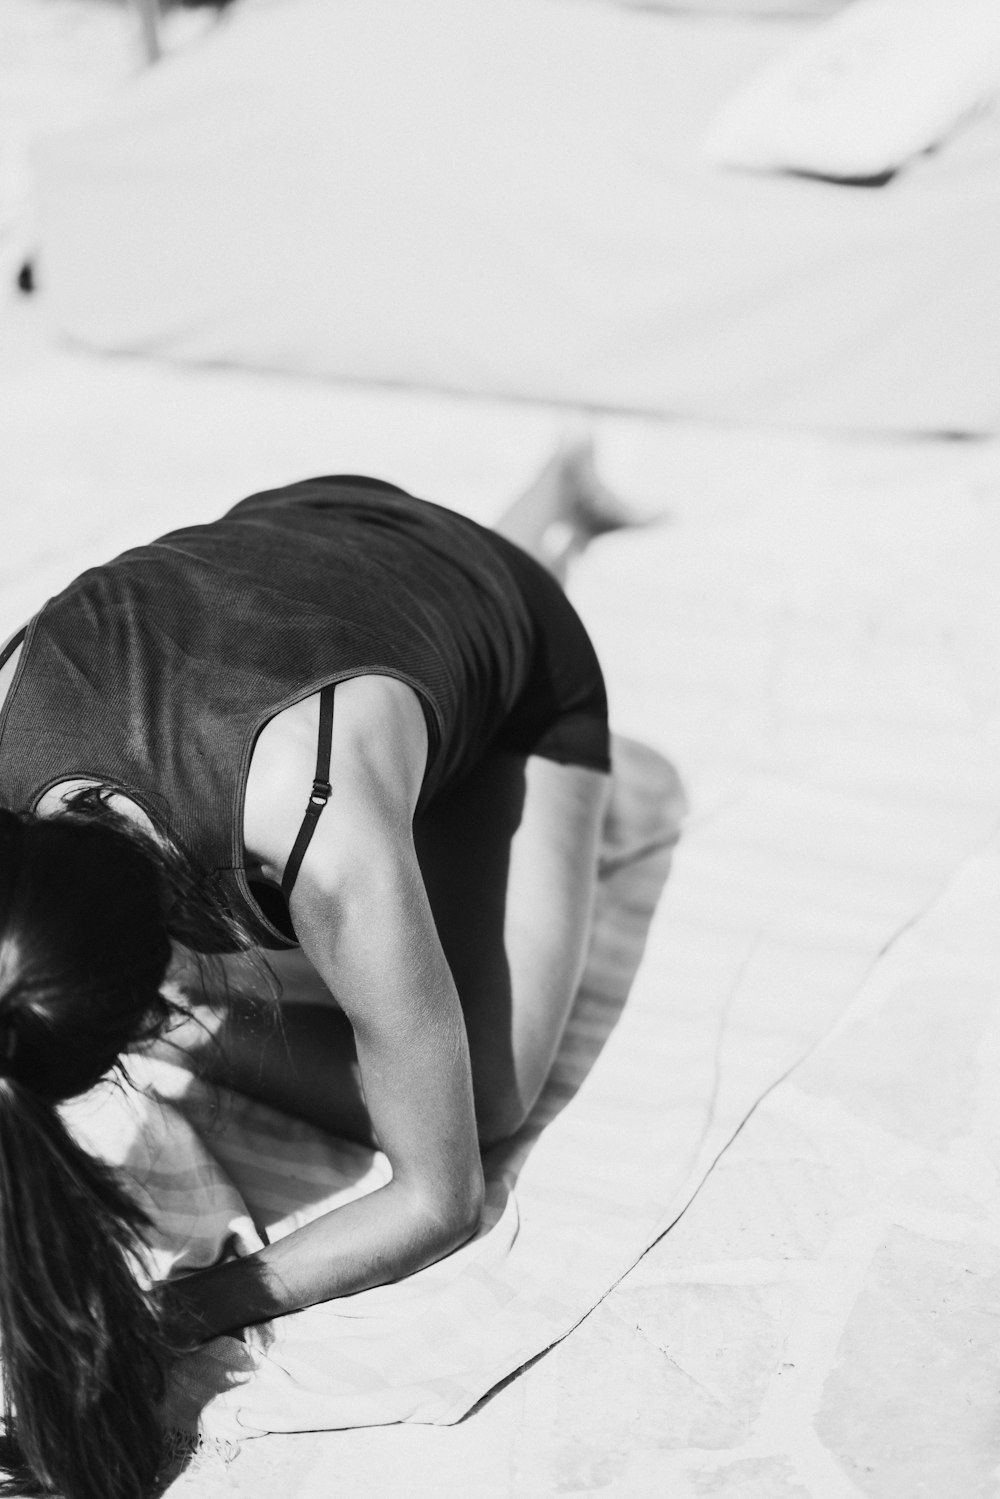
(158, 670)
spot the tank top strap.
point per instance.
(12, 645)
(318, 797)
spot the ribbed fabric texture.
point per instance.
(157, 670)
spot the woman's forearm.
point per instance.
(375, 1239)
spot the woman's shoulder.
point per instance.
(377, 761)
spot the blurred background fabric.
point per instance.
(514, 200)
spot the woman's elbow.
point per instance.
(468, 1210)
(454, 1217)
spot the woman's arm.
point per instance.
(364, 922)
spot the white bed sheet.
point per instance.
(815, 630)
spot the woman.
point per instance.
(161, 724)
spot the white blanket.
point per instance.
(839, 776)
(817, 629)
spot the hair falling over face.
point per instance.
(87, 908)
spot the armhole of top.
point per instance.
(318, 797)
(12, 645)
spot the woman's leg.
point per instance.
(301, 1061)
(297, 1055)
(510, 864)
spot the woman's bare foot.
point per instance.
(589, 504)
(566, 507)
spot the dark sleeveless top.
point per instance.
(157, 671)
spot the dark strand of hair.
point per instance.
(88, 906)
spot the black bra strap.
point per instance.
(12, 646)
(318, 797)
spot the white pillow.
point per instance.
(864, 92)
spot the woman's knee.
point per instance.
(500, 1116)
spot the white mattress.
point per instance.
(512, 200)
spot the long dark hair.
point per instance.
(87, 907)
